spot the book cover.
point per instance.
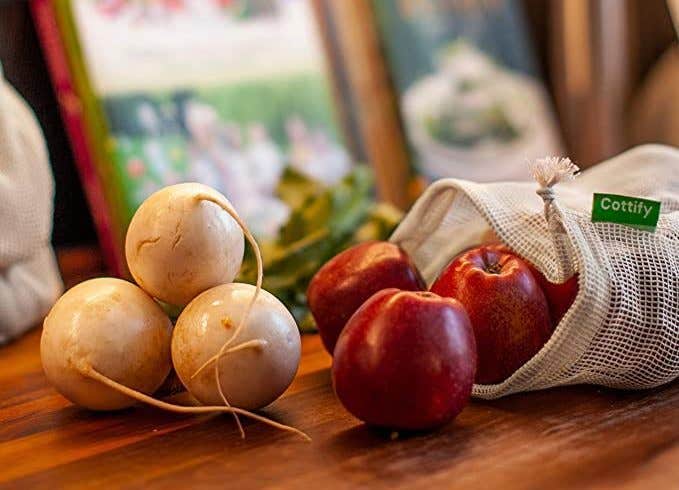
(224, 93)
(470, 97)
(228, 93)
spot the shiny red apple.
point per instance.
(506, 306)
(341, 286)
(560, 297)
(405, 360)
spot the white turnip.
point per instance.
(114, 327)
(182, 240)
(106, 342)
(261, 359)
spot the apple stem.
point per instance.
(490, 264)
(494, 268)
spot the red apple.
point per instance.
(351, 277)
(506, 306)
(405, 360)
(560, 297)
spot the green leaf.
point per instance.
(324, 220)
(294, 188)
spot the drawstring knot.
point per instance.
(548, 172)
(546, 193)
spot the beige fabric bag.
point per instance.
(623, 328)
(29, 278)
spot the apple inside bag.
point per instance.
(620, 330)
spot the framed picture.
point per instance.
(457, 78)
(237, 94)
(230, 93)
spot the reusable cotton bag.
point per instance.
(622, 331)
(29, 278)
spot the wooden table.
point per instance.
(578, 437)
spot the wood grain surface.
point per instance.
(577, 437)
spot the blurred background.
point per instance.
(267, 99)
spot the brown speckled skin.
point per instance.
(508, 310)
(351, 277)
(405, 360)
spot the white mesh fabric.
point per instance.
(26, 187)
(29, 279)
(623, 328)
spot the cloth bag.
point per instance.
(29, 277)
(622, 330)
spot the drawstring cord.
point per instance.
(547, 195)
(548, 172)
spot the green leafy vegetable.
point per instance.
(324, 221)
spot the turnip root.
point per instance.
(182, 240)
(261, 359)
(114, 327)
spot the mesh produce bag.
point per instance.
(29, 279)
(622, 331)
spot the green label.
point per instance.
(626, 210)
